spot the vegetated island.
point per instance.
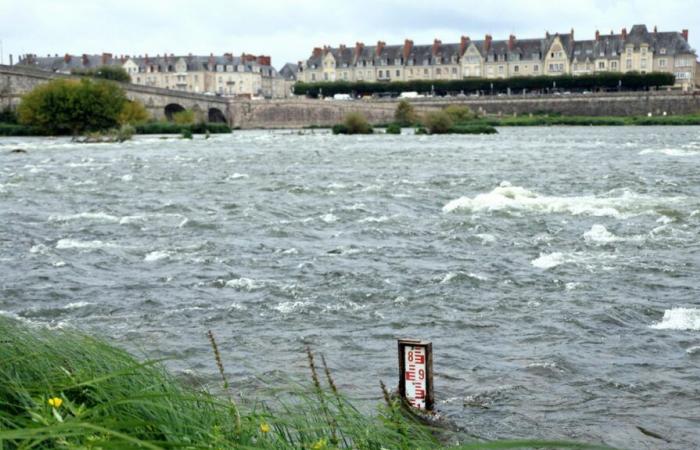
(63, 389)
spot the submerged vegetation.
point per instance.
(62, 389)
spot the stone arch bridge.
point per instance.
(161, 103)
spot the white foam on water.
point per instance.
(40, 249)
(83, 245)
(88, 216)
(452, 275)
(156, 256)
(693, 350)
(127, 178)
(243, 284)
(290, 251)
(518, 199)
(290, 307)
(679, 319)
(329, 218)
(572, 285)
(372, 219)
(237, 176)
(77, 305)
(184, 222)
(59, 264)
(600, 235)
(669, 152)
(486, 238)
(549, 261)
(665, 220)
(126, 220)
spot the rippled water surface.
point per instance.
(555, 270)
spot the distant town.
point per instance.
(638, 50)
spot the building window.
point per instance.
(500, 69)
(398, 73)
(644, 64)
(381, 73)
(628, 64)
(662, 51)
(516, 69)
(438, 71)
(613, 65)
(536, 68)
(662, 62)
(601, 65)
(454, 71)
(425, 71)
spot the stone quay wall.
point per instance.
(295, 113)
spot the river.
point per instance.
(555, 270)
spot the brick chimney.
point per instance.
(86, 60)
(487, 42)
(380, 47)
(511, 42)
(148, 60)
(342, 47)
(318, 51)
(106, 58)
(359, 46)
(624, 34)
(67, 58)
(407, 47)
(436, 46)
(656, 30)
(547, 34)
(597, 35)
(572, 34)
(463, 44)
(684, 33)
(264, 60)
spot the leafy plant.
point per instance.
(405, 114)
(185, 117)
(393, 128)
(133, 113)
(354, 123)
(437, 122)
(72, 107)
(113, 73)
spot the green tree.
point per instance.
(185, 117)
(460, 114)
(72, 107)
(354, 123)
(133, 113)
(437, 122)
(405, 114)
(113, 73)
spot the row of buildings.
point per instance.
(638, 50)
(227, 75)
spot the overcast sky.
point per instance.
(289, 30)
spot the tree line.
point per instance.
(630, 81)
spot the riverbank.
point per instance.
(17, 130)
(61, 388)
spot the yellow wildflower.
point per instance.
(56, 402)
(319, 445)
(264, 427)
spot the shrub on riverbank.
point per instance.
(437, 122)
(9, 129)
(354, 123)
(405, 114)
(393, 128)
(72, 107)
(133, 113)
(173, 128)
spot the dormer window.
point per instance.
(662, 51)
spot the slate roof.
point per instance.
(606, 46)
(289, 71)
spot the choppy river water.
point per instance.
(555, 270)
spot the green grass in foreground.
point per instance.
(62, 389)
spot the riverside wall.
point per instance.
(301, 112)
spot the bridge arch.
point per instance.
(172, 108)
(216, 116)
